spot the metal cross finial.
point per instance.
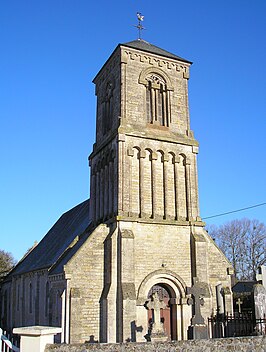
(139, 26)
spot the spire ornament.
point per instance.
(139, 26)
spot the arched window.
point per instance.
(108, 107)
(158, 87)
(157, 100)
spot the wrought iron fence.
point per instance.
(9, 342)
(235, 326)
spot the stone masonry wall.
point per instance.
(240, 344)
(85, 273)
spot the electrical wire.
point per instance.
(234, 211)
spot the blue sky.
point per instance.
(50, 52)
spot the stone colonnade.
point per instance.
(159, 185)
(103, 186)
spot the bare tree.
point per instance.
(244, 244)
(7, 262)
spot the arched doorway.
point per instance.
(167, 307)
(180, 312)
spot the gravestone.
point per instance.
(239, 303)
(157, 329)
(220, 299)
(260, 307)
(198, 328)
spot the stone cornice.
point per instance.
(154, 60)
(160, 221)
(163, 137)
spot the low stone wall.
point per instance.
(247, 344)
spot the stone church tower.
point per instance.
(134, 262)
(144, 187)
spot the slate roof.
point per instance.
(144, 46)
(70, 225)
(150, 48)
(244, 287)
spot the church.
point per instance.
(125, 264)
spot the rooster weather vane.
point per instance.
(139, 26)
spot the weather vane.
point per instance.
(139, 26)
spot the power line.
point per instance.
(235, 211)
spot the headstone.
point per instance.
(239, 304)
(261, 275)
(260, 307)
(198, 328)
(157, 330)
(220, 299)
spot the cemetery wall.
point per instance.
(240, 344)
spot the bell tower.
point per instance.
(144, 187)
(144, 160)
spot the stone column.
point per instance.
(168, 107)
(154, 176)
(153, 105)
(130, 154)
(106, 191)
(67, 311)
(121, 173)
(93, 194)
(111, 187)
(188, 189)
(97, 195)
(164, 109)
(123, 86)
(63, 315)
(176, 162)
(128, 289)
(102, 192)
(195, 197)
(165, 186)
(142, 155)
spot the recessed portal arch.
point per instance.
(170, 289)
